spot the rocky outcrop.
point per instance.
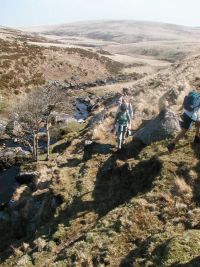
(85, 105)
(3, 124)
(66, 85)
(61, 118)
(165, 125)
(12, 156)
(82, 106)
(13, 128)
(98, 118)
(29, 211)
(173, 97)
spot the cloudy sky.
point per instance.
(46, 12)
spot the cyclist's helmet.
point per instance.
(123, 107)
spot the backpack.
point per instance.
(123, 118)
(190, 100)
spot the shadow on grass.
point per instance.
(141, 252)
(8, 184)
(96, 148)
(26, 216)
(132, 149)
(60, 148)
(193, 263)
(196, 186)
(71, 163)
(116, 183)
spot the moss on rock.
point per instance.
(182, 248)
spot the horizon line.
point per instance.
(98, 20)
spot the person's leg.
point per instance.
(116, 128)
(172, 145)
(119, 137)
(124, 134)
(180, 136)
(185, 124)
(197, 125)
(197, 137)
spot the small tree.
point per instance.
(34, 112)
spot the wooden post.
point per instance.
(34, 146)
(36, 141)
(48, 139)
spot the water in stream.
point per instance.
(8, 184)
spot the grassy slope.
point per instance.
(143, 41)
(136, 209)
(140, 208)
(23, 66)
(121, 31)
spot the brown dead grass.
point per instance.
(181, 187)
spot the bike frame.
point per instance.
(121, 135)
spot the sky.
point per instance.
(17, 13)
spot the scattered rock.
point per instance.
(173, 97)
(3, 125)
(98, 118)
(13, 128)
(61, 118)
(12, 156)
(165, 125)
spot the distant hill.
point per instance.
(25, 62)
(125, 31)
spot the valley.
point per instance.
(80, 201)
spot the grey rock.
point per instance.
(98, 118)
(63, 85)
(165, 125)
(2, 126)
(11, 156)
(13, 128)
(61, 118)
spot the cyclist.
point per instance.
(122, 122)
(126, 101)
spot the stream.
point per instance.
(81, 110)
(8, 184)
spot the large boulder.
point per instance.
(165, 125)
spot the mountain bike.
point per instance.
(121, 135)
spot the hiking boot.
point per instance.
(171, 147)
(196, 139)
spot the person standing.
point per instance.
(190, 115)
(125, 93)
